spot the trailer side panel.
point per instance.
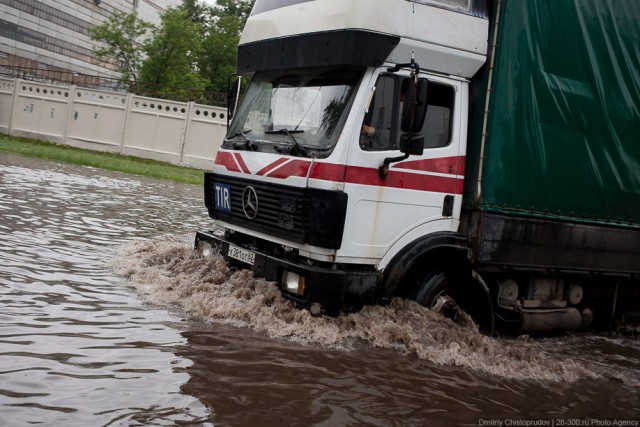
(563, 134)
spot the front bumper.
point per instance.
(328, 290)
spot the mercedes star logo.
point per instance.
(250, 202)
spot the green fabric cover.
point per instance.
(564, 126)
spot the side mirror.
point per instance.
(412, 144)
(414, 110)
(233, 96)
(408, 110)
(409, 144)
(421, 105)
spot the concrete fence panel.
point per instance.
(207, 127)
(181, 133)
(7, 88)
(97, 119)
(155, 129)
(40, 111)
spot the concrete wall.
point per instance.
(181, 133)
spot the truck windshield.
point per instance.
(299, 112)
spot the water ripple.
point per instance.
(76, 347)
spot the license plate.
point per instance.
(241, 254)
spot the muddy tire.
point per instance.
(435, 288)
(440, 291)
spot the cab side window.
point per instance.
(438, 122)
(381, 125)
(378, 130)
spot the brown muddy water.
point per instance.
(109, 318)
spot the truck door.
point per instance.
(420, 194)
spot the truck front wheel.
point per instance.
(440, 291)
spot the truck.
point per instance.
(479, 157)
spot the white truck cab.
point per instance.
(316, 186)
(466, 154)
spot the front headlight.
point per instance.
(205, 248)
(293, 282)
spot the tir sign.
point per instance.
(223, 197)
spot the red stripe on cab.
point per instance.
(451, 165)
(225, 159)
(293, 168)
(241, 162)
(271, 166)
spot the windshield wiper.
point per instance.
(296, 148)
(284, 131)
(246, 141)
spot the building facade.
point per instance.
(48, 40)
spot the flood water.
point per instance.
(109, 318)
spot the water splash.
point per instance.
(168, 271)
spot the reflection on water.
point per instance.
(77, 347)
(274, 382)
(108, 317)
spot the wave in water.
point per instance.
(167, 271)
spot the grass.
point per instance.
(109, 161)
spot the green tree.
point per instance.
(194, 47)
(197, 11)
(170, 69)
(221, 41)
(122, 37)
